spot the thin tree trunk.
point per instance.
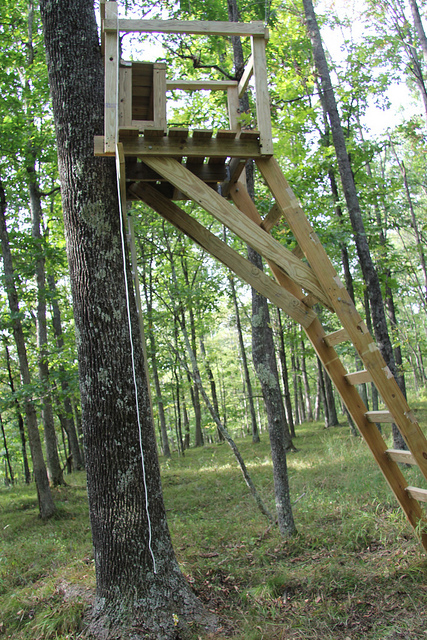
(212, 384)
(186, 425)
(254, 424)
(197, 379)
(27, 473)
(6, 450)
(419, 27)
(285, 376)
(46, 505)
(321, 378)
(68, 421)
(148, 294)
(199, 442)
(330, 401)
(263, 353)
(308, 407)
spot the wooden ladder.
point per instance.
(299, 286)
(376, 371)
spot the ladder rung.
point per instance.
(417, 494)
(358, 377)
(379, 416)
(336, 337)
(401, 456)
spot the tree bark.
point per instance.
(140, 590)
(46, 505)
(285, 376)
(6, 450)
(308, 407)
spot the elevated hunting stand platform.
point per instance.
(160, 165)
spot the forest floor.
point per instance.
(354, 570)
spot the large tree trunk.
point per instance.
(46, 506)
(140, 591)
(369, 272)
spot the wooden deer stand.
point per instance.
(158, 165)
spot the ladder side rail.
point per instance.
(346, 311)
(354, 403)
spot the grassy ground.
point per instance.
(354, 571)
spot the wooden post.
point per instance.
(262, 96)
(125, 95)
(233, 108)
(159, 95)
(111, 100)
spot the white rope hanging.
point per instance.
(135, 382)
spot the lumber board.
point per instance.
(398, 455)
(159, 96)
(235, 170)
(246, 76)
(101, 22)
(111, 85)
(199, 134)
(201, 85)
(244, 202)
(190, 147)
(417, 494)
(262, 96)
(346, 311)
(225, 254)
(226, 134)
(379, 416)
(336, 337)
(236, 221)
(125, 96)
(193, 27)
(128, 132)
(206, 172)
(233, 108)
(272, 218)
(359, 377)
